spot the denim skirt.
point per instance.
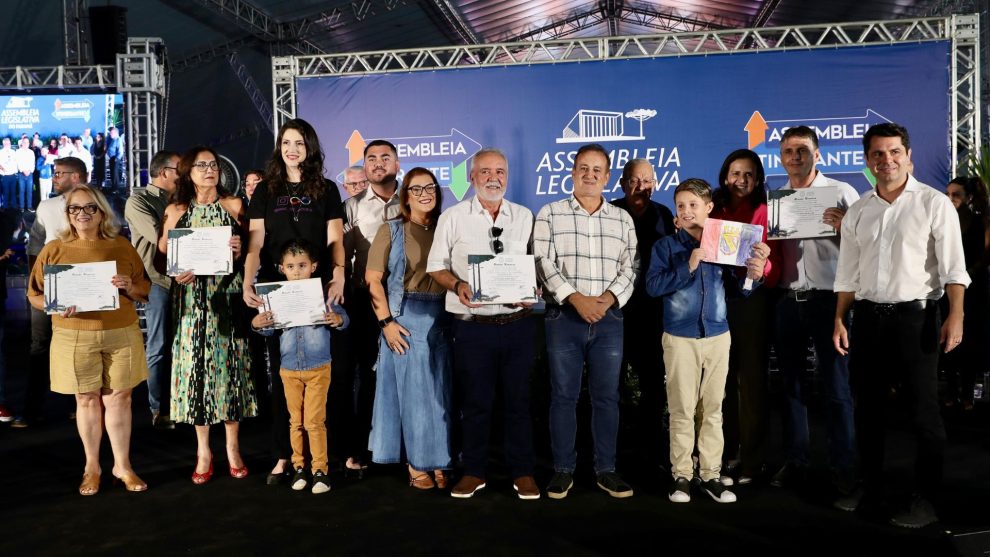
(413, 390)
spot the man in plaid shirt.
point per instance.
(586, 259)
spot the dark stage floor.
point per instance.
(40, 469)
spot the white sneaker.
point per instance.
(680, 491)
(321, 483)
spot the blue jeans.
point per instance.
(157, 348)
(412, 396)
(25, 189)
(8, 186)
(796, 322)
(573, 344)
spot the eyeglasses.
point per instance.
(429, 189)
(170, 168)
(636, 182)
(89, 209)
(60, 173)
(497, 246)
(204, 166)
(356, 184)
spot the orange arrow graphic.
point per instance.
(355, 147)
(757, 128)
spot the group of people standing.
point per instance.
(625, 285)
(26, 165)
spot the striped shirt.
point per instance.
(586, 253)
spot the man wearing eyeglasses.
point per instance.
(49, 222)
(144, 213)
(358, 352)
(355, 180)
(641, 347)
(586, 259)
(493, 344)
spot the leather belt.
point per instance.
(885, 310)
(501, 319)
(809, 294)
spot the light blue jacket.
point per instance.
(304, 348)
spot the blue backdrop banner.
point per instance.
(52, 115)
(683, 114)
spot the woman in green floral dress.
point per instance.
(210, 358)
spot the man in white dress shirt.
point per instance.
(901, 249)
(804, 310)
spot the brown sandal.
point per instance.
(90, 485)
(131, 482)
(422, 481)
(441, 479)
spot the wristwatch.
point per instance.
(386, 321)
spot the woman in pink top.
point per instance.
(742, 197)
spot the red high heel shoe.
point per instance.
(200, 479)
(238, 473)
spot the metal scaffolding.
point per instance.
(962, 30)
(141, 79)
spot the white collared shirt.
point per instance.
(8, 161)
(49, 222)
(25, 160)
(901, 251)
(810, 263)
(465, 229)
(365, 213)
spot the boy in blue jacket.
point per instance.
(305, 371)
(696, 338)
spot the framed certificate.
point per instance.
(293, 303)
(87, 286)
(204, 251)
(502, 279)
(728, 242)
(798, 213)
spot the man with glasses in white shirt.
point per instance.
(901, 249)
(493, 344)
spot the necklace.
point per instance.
(295, 202)
(425, 225)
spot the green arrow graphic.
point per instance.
(870, 177)
(459, 184)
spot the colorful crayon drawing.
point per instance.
(729, 243)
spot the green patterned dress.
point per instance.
(210, 358)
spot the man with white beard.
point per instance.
(493, 344)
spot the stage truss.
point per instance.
(138, 75)
(962, 30)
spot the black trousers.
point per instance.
(643, 357)
(488, 357)
(352, 386)
(897, 347)
(746, 412)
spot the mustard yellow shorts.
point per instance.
(87, 361)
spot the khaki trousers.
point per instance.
(696, 371)
(306, 398)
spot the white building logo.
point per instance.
(602, 125)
